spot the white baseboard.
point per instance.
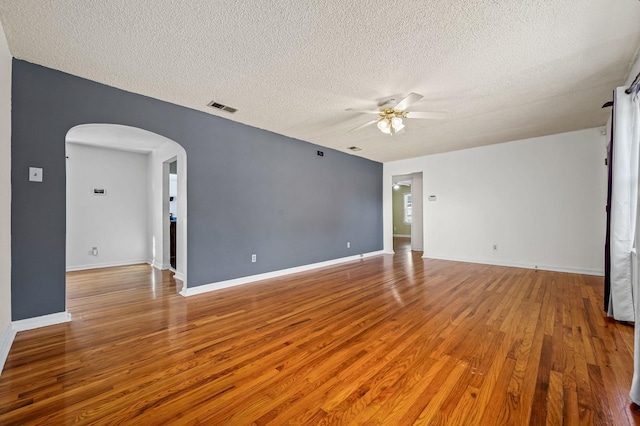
(178, 276)
(570, 270)
(205, 288)
(42, 321)
(160, 266)
(5, 344)
(105, 265)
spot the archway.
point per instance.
(119, 146)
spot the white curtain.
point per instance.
(624, 203)
(633, 132)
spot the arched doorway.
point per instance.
(118, 181)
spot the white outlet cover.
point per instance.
(35, 174)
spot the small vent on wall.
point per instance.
(226, 108)
(354, 148)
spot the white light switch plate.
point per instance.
(35, 174)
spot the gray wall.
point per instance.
(249, 190)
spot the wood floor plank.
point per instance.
(385, 340)
(539, 404)
(554, 400)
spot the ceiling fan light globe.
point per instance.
(396, 122)
(383, 124)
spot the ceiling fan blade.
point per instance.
(364, 125)
(406, 102)
(432, 115)
(367, 111)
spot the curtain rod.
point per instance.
(633, 85)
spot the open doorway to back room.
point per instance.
(115, 187)
(407, 200)
(402, 215)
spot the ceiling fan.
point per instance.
(391, 117)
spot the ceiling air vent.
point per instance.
(354, 148)
(216, 105)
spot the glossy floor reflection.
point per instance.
(388, 339)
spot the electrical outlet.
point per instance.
(94, 251)
(253, 258)
(348, 244)
(495, 247)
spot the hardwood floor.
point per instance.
(401, 244)
(392, 340)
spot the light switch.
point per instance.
(35, 174)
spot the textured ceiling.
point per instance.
(503, 70)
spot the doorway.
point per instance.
(402, 215)
(126, 182)
(407, 221)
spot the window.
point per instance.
(407, 208)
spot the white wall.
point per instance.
(116, 223)
(6, 335)
(158, 169)
(541, 201)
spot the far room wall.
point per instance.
(541, 201)
(116, 222)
